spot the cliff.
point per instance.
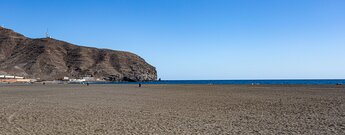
(50, 59)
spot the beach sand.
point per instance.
(172, 109)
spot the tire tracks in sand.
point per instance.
(11, 117)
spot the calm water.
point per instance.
(335, 81)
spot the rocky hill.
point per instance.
(50, 59)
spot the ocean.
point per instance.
(308, 81)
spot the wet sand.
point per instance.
(172, 109)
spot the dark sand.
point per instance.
(172, 109)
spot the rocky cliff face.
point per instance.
(50, 59)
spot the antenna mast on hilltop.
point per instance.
(47, 34)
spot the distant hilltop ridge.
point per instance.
(51, 59)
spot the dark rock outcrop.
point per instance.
(49, 59)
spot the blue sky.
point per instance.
(199, 39)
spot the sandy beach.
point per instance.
(172, 109)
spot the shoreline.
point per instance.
(208, 82)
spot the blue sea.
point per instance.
(314, 81)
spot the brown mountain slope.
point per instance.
(50, 59)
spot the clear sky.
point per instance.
(199, 39)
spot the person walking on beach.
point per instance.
(139, 84)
